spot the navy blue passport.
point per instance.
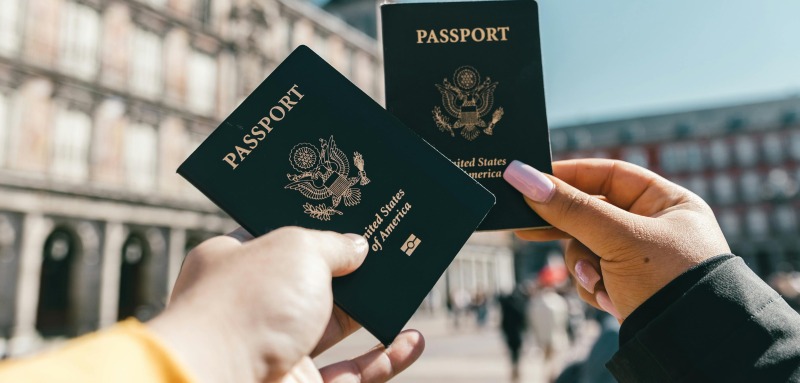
(308, 148)
(467, 77)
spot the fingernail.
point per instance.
(359, 242)
(587, 275)
(605, 302)
(529, 181)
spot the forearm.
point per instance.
(721, 323)
(127, 352)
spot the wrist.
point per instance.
(205, 342)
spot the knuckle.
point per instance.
(574, 204)
(296, 236)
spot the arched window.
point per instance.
(133, 278)
(55, 314)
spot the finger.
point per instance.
(605, 303)
(583, 264)
(586, 218)
(379, 364)
(542, 235)
(549, 234)
(303, 372)
(339, 327)
(343, 253)
(585, 267)
(625, 185)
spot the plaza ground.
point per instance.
(465, 355)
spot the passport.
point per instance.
(467, 77)
(308, 148)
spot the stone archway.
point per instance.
(136, 255)
(9, 269)
(55, 312)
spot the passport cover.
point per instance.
(467, 77)
(308, 148)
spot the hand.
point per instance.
(257, 311)
(629, 231)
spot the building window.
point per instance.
(636, 156)
(694, 157)
(779, 184)
(730, 224)
(785, 219)
(699, 186)
(10, 25)
(757, 223)
(674, 158)
(80, 31)
(71, 137)
(751, 187)
(580, 139)
(746, 151)
(202, 88)
(202, 10)
(720, 154)
(146, 63)
(794, 145)
(141, 156)
(724, 191)
(773, 149)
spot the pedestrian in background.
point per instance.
(480, 304)
(549, 315)
(513, 323)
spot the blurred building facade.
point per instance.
(100, 100)
(361, 14)
(744, 160)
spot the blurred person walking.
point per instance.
(513, 323)
(480, 304)
(460, 301)
(549, 317)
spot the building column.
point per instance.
(112, 264)
(176, 253)
(35, 228)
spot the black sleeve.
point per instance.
(718, 322)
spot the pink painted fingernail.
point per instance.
(587, 275)
(530, 182)
(605, 302)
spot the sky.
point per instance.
(622, 58)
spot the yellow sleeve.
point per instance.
(125, 353)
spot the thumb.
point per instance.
(588, 219)
(343, 253)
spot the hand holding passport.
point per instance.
(257, 310)
(307, 148)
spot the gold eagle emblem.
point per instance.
(468, 100)
(324, 173)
